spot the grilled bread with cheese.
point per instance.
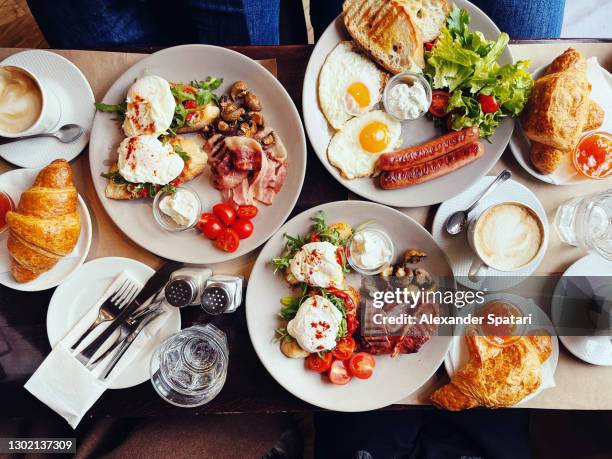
(386, 30)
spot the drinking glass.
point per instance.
(587, 223)
(190, 367)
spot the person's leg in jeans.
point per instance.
(121, 23)
(518, 18)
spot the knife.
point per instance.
(152, 286)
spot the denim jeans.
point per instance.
(519, 18)
(114, 23)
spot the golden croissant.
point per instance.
(495, 376)
(46, 225)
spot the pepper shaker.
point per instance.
(222, 294)
(186, 285)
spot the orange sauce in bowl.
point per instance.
(6, 204)
(501, 334)
(593, 155)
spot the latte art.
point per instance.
(508, 236)
(20, 100)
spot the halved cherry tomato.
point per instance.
(175, 182)
(314, 237)
(338, 373)
(430, 44)
(349, 304)
(319, 364)
(203, 218)
(244, 228)
(190, 104)
(211, 228)
(361, 365)
(246, 212)
(488, 103)
(189, 117)
(344, 348)
(227, 240)
(351, 324)
(225, 213)
(439, 102)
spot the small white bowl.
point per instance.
(409, 78)
(370, 272)
(165, 221)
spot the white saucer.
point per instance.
(14, 183)
(76, 99)
(457, 249)
(458, 354)
(77, 295)
(596, 350)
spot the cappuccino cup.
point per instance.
(508, 237)
(27, 105)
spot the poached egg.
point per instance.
(150, 107)
(315, 326)
(316, 263)
(144, 159)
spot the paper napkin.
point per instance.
(64, 384)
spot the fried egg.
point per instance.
(150, 107)
(355, 149)
(350, 84)
(144, 159)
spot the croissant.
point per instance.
(46, 225)
(495, 376)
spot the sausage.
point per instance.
(438, 167)
(427, 151)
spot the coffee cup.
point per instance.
(27, 105)
(508, 237)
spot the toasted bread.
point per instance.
(204, 115)
(385, 30)
(429, 16)
(194, 166)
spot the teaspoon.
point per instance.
(66, 134)
(457, 221)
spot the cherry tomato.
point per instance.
(190, 104)
(314, 237)
(227, 240)
(246, 212)
(439, 102)
(338, 373)
(189, 117)
(244, 228)
(319, 364)
(175, 182)
(211, 228)
(203, 218)
(488, 103)
(349, 304)
(361, 365)
(430, 44)
(344, 348)
(225, 213)
(351, 324)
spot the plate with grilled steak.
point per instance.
(344, 306)
(408, 102)
(197, 153)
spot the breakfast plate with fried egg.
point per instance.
(348, 115)
(197, 153)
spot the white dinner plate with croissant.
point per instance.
(601, 92)
(14, 183)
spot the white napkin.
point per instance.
(64, 384)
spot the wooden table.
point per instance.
(249, 388)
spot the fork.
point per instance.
(110, 308)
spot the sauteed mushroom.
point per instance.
(238, 90)
(252, 102)
(413, 256)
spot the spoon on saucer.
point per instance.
(66, 134)
(458, 220)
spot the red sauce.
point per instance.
(593, 155)
(6, 204)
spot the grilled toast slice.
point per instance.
(387, 32)
(429, 16)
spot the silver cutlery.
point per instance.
(457, 221)
(66, 134)
(124, 295)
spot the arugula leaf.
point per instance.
(115, 177)
(178, 149)
(209, 84)
(119, 109)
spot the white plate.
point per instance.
(14, 183)
(414, 132)
(566, 174)
(458, 354)
(77, 295)
(596, 350)
(186, 63)
(394, 378)
(457, 248)
(76, 100)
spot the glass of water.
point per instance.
(587, 223)
(190, 367)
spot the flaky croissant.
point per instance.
(46, 225)
(495, 376)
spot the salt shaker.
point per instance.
(222, 294)
(186, 285)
